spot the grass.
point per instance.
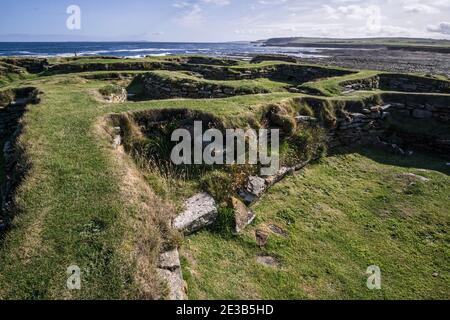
(75, 184)
(333, 86)
(342, 215)
(83, 203)
(261, 84)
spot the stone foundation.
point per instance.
(10, 129)
(156, 87)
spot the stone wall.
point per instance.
(157, 87)
(369, 83)
(10, 129)
(410, 83)
(32, 65)
(359, 128)
(400, 83)
(417, 121)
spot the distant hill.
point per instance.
(416, 44)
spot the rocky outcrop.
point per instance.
(200, 211)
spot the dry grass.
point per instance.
(148, 222)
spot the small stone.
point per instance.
(117, 141)
(256, 186)
(243, 215)
(268, 261)
(200, 211)
(261, 238)
(435, 274)
(278, 230)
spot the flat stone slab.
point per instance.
(281, 174)
(175, 284)
(415, 177)
(169, 270)
(169, 260)
(200, 211)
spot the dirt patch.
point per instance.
(268, 261)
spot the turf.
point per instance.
(342, 215)
(81, 203)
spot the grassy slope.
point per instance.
(72, 210)
(342, 215)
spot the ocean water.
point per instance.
(142, 49)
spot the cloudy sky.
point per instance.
(223, 20)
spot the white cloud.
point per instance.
(192, 11)
(421, 8)
(443, 27)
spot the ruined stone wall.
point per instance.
(400, 83)
(419, 121)
(156, 87)
(410, 83)
(358, 128)
(10, 129)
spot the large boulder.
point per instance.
(200, 211)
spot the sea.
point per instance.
(143, 49)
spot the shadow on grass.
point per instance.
(419, 160)
(14, 163)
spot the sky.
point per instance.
(220, 20)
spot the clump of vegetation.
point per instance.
(280, 115)
(305, 144)
(111, 89)
(219, 184)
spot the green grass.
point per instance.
(333, 86)
(261, 84)
(342, 215)
(73, 184)
(73, 210)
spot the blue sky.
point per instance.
(223, 20)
